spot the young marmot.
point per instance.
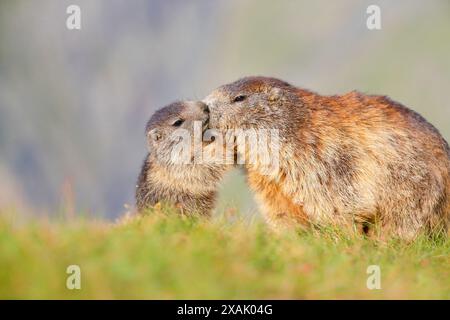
(347, 159)
(174, 171)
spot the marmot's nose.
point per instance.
(204, 107)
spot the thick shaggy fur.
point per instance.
(192, 186)
(355, 160)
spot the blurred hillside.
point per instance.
(73, 104)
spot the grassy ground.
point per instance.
(162, 256)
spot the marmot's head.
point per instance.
(251, 102)
(174, 128)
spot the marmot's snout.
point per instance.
(203, 106)
(200, 107)
(203, 110)
(200, 111)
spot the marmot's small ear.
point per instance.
(154, 135)
(275, 94)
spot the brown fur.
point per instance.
(351, 159)
(191, 187)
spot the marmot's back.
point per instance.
(396, 155)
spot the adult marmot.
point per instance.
(174, 171)
(347, 159)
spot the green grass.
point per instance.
(163, 256)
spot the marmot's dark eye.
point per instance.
(178, 123)
(239, 98)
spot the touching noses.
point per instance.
(204, 107)
(209, 101)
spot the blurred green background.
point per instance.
(73, 104)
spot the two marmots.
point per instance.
(347, 160)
